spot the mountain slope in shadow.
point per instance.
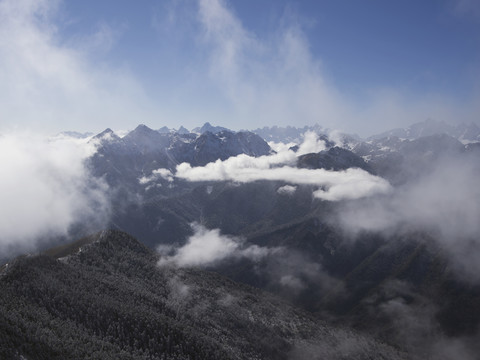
(105, 297)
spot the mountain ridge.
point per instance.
(118, 302)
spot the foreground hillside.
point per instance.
(105, 297)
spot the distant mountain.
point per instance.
(146, 140)
(104, 297)
(401, 159)
(207, 127)
(125, 160)
(122, 161)
(335, 158)
(164, 130)
(107, 135)
(462, 132)
(210, 147)
(182, 130)
(291, 134)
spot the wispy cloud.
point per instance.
(219, 66)
(275, 78)
(266, 79)
(48, 80)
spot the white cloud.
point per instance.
(157, 174)
(45, 188)
(51, 78)
(311, 144)
(280, 147)
(352, 184)
(287, 190)
(206, 247)
(277, 79)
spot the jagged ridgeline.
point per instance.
(105, 297)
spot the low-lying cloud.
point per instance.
(446, 200)
(157, 174)
(287, 190)
(352, 183)
(208, 247)
(311, 144)
(45, 188)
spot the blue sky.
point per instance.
(357, 66)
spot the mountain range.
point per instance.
(388, 275)
(463, 132)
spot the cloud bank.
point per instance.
(446, 200)
(352, 183)
(445, 203)
(45, 188)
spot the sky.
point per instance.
(356, 66)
